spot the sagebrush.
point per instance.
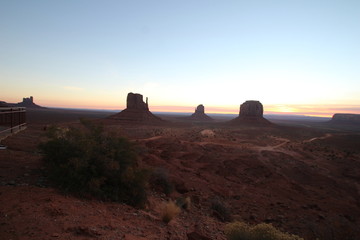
(262, 231)
(87, 161)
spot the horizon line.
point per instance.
(304, 114)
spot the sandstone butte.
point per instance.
(199, 114)
(136, 111)
(251, 112)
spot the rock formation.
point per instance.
(251, 112)
(3, 104)
(135, 101)
(345, 118)
(251, 109)
(200, 115)
(27, 102)
(136, 111)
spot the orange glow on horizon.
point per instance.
(315, 110)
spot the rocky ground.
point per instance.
(302, 180)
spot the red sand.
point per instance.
(304, 181)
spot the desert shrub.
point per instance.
(88, 162)
(220, 210)
(262, 231)
(170, 211)
(160, 181)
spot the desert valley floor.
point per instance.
(303, 180)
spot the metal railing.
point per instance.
(12, 120)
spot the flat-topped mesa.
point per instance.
(251, 112)
(345, 118)
(136, 111)
(200, 115)
(251, 109)
(28, 102)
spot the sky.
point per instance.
(294, 56)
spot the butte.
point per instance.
(137, 111)
(251, 113)
(200, 115)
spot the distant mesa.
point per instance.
(27, 102)
(136, 111)
(251, 112)
(200, 115)
(3, 104)
(345, 118)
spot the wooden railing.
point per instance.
(12, 119)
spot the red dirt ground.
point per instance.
(302, 180)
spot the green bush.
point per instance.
(262, 231)
(88, 162)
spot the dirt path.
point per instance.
(150, 139)
(317, 138)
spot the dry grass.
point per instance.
(262, 231)
(170, 211)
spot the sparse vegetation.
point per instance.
(221, 211)
(170, 211)
(262, 231)
(160, 181)
(88, 162)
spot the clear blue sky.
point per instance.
(288, 54)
